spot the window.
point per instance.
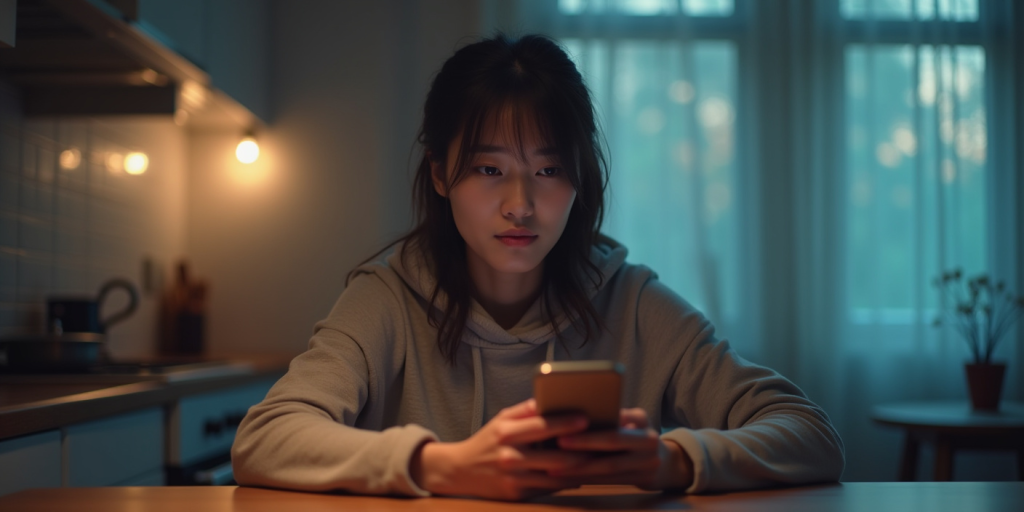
(903, 86)
(668, 106)
(916, 146)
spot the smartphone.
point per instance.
(593, 388)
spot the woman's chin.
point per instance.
(515, 264)
(508, 260)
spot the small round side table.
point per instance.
(950, 426)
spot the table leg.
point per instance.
(943, 459)
(908, 461)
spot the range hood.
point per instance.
(88, 57)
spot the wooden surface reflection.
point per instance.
(852, 497)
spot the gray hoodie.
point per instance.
(373, 386)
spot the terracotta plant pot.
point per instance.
(985, 384)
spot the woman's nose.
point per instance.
(518, 200)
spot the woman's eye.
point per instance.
(488, 170)
(549, 171)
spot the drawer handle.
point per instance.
(212, 428)
(230, 422)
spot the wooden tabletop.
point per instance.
(850, 497)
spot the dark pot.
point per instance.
(64, 352)
(985, 384)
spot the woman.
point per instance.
(419, 380)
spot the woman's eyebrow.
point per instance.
(488, 148)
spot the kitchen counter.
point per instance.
(26, 408)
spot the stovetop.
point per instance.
(126, 372)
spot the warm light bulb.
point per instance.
(136, 163)
(247, 151)
(70, 159)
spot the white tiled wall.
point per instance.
(65, 232)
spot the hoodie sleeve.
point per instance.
(744, 426)
(302, 436)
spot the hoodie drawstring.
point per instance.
(478, 383)
(478, 390)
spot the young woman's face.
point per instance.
(510, 211)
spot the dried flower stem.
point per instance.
(983, 312)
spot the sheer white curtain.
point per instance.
(802, 169)
(906, 178)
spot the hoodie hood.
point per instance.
(482, 331)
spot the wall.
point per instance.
(66, 231)
(276, 239)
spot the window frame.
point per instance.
(935, 32)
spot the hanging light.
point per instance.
(136, 163)
(248, 150)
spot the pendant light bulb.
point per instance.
(136, 163)
(248, 150)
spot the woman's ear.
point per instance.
(437, 173)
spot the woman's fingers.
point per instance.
(633, 418)
(528, 480)
(611, 441)
(523, 409)
(521, 484)
(538, 428)
(540, 460)
(638, 478)
(642, 462)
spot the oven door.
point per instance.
(201, 429)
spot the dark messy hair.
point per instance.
(527, 80)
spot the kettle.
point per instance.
(77, 314)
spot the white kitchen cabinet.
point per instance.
(178, 24)
(29, 462)
(116, 451)
(229, 39)
(238, 51)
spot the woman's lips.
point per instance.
(517, 241)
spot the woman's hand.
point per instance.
(636, 455)
(496, 462)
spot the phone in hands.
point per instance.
(591, 388)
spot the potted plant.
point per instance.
(982, 312)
